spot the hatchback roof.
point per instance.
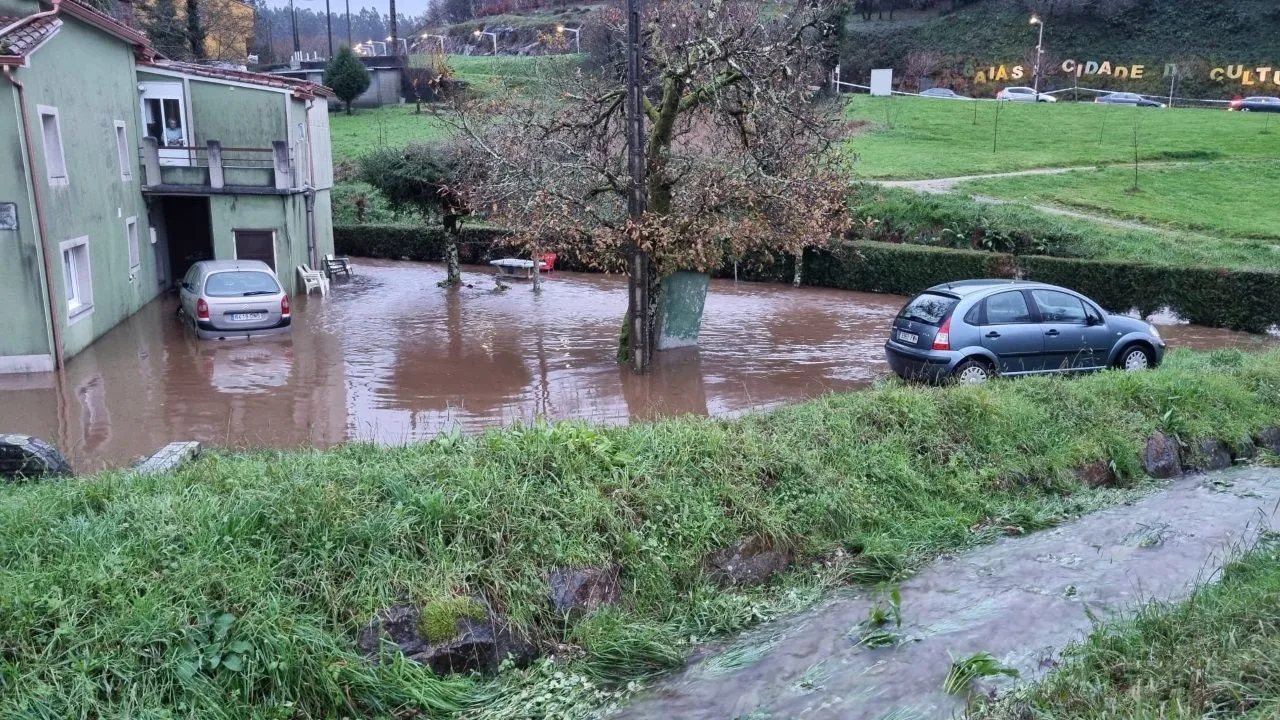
(962, 288)
(219, 265)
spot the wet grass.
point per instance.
(1214, 655)
(905, 137)
(1215, 198)
(123, 596)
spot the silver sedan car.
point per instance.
(224, 299)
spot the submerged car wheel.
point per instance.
(1135, 358)
(972, 372)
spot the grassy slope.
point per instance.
(387, 126)
(995, 31)
(920, 138)
(1219, 198)
(110, 584)
(1215, 655)
(907, 215)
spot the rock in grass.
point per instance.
(578, 591)
(748, 562)
(1162, 457)
(1244, 449)
(457, 635)
(1210, 455)
(1096, 474)
(1269, 438)
(23, 457)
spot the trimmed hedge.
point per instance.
(414, 242)
(1236, 299)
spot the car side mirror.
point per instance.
(1092, 320)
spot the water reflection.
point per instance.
(390, 357)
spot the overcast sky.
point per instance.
(403, 7)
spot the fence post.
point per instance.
(215, 164)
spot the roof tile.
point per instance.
(28, 36)
(300, 87)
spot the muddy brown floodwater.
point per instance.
(389, 357)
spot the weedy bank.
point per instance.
(236, 588)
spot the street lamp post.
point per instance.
(492, 36)
(577, 36)
(1035, 20)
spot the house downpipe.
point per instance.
(42, 225)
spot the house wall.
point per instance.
(236, 116)
(24, 332)
(89, 77)
(285, 215)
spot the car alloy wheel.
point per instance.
(1136, 359)
(972, 373)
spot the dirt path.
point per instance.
(945, 185)
(1021, 599)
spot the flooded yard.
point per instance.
(390, 357)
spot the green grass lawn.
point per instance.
(235, 587)
(388, 126)
(904, 137)
(1221, 198)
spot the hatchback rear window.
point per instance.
(929, 308)
(240, 283)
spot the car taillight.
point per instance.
(284, 306)
(942, 341)
(202, 309)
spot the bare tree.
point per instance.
(740, 159)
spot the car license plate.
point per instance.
(907, 337)
(248, 317)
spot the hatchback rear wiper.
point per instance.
(258, 292)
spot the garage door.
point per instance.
(256, 245)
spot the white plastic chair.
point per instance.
(313, 280)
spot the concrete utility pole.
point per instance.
(328, 26)
(639, 342)
(395, 37)
(349, 43)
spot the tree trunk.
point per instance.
(451, 251)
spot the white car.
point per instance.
(1024, 94)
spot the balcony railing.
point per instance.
(218, 168)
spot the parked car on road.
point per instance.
(944, 93)
(1126, 98)
(1257, 103)
(1024, 94)
(224, 299)
(973, 330)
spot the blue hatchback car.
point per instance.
(972, 330)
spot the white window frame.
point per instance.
(54, 179)
(80, 303)
(122, 150)
(135, 245)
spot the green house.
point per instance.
(119, 169)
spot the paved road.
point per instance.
(1022, 600)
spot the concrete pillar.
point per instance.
(283, 166)
(151, 162)
(215, 164)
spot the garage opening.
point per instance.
(256, 245)
(188, 232)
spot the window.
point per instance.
(122, 151)
(131, 232)
(240, 283)
(1059, 307)
(55, 163)
(929, 308)
(77, 280)
(1008, 308)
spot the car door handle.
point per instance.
(1053, 333)
(993, 334)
